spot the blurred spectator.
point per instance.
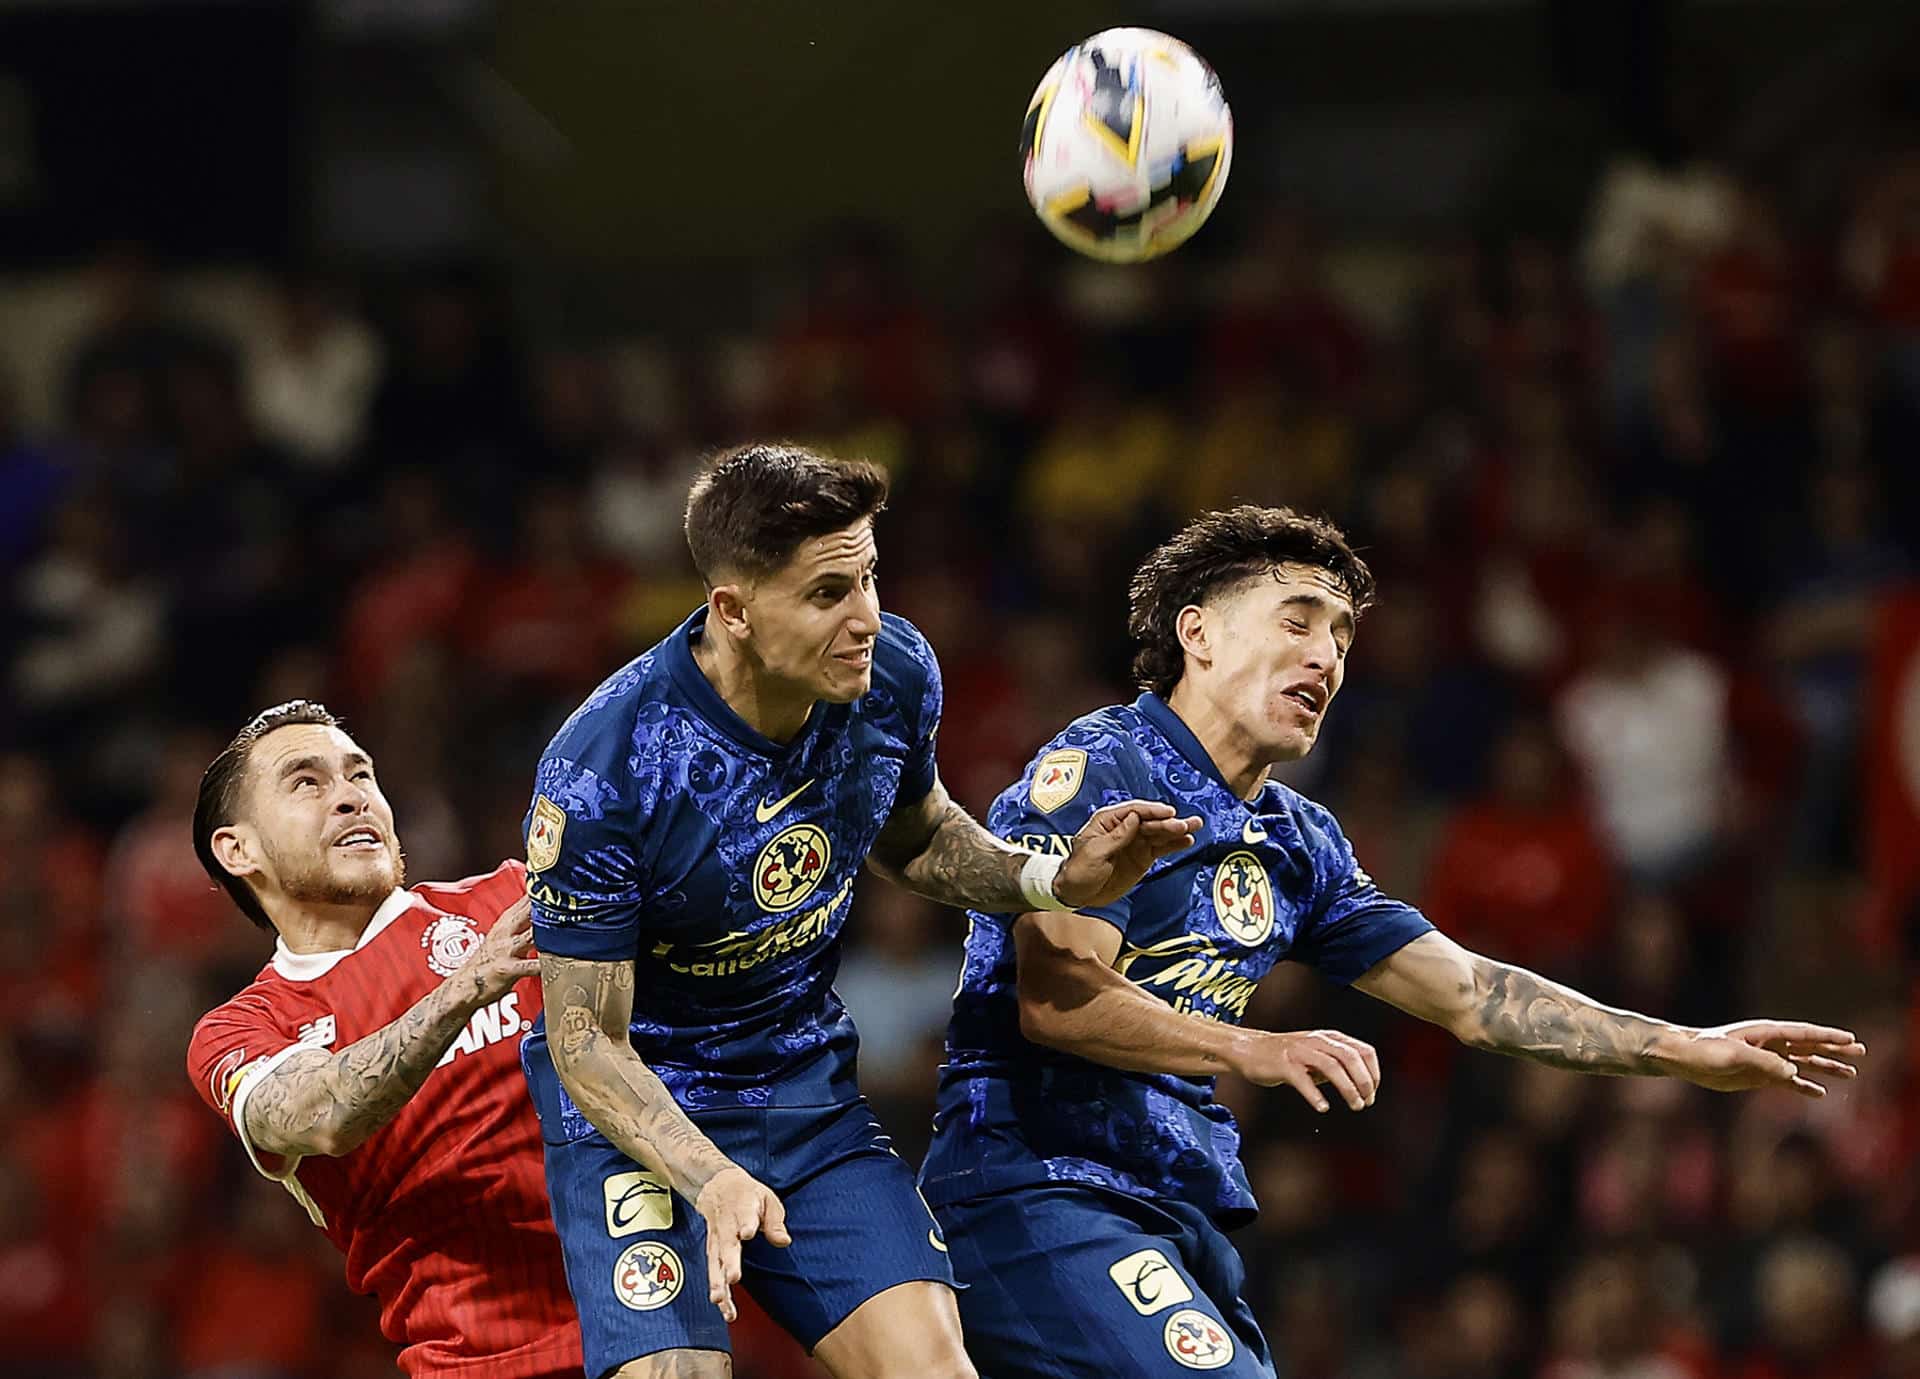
(1520, 873)
(312, 374)
(32, 480)
(1807, 1311)
(1647, 724)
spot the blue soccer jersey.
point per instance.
(666, 831)
(1267, 880)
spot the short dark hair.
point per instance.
(754, 505)
(1215, 553)
(220, 788)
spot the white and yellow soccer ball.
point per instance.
(1127, 144)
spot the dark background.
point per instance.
(363, 350)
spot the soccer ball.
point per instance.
(1127, 144)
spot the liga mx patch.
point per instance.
(543, 834)
(1149, 1282)
(1057, 778)
(637, 1202)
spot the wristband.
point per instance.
(1036, 881)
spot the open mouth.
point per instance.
(360, 840)
(1309, 698)
(859, 660)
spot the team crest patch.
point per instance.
(647, 1276)
(1057, 778)
(637, 1202)
(225, 1078)
(1243, 898)
(448, 941)
(1149, 1282)
(790, 867)
(1197, 1340)
(543, 833)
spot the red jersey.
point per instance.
(442, 1212)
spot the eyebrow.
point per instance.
(1320, 602)
(315, 763)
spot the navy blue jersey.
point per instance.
(1268, 880)
(666, 831)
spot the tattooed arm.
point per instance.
(1490, 1005)
(589, 1008)
(934, 847)
(316, 1102)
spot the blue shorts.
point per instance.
(1070, 1282)
(636, 1254)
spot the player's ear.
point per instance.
(237, 849)
(727, 604)
(1190, 626)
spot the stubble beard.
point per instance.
(318, 884)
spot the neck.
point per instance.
(747, 690)
(1241, 762)
(317, 927)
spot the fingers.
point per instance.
(524, 967)
(1362, 1074)
(1831, 1067)
(773, 1220)
(1298, 1078)
(1330, 1067)
(1791, 1031)
(723, 1268)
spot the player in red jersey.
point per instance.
(373, 1066)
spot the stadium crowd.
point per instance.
(1635, 501)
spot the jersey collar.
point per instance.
(706, 700)
(306, 967)
(1175, 730)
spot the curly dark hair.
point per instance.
(219, 801)
(1216, 553)
(755, 504)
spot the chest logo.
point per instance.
(790, 867)
(549, 821)
(1243, 898)
(1057, 778)
(447, 941)
(762, 811)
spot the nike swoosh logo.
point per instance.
(764, 811)
(1251, 833)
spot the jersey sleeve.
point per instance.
(233, 1048)
(583, 864)
(1080, 772)
(923, 696)
(1354, 924)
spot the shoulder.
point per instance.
(253, 1014)
(596, 765)
(903, 657)
(606, 719)
(1320, 832)
(481, 897)
(1096, 753)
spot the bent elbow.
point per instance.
(1037, 1022)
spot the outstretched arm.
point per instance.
(1491, 1005)
(589, 1007)
(317, 1102)
(937, 849)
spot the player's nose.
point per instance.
(865, 617)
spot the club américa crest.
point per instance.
(791, 867)
(1243, 898)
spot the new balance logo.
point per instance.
(320, 1033)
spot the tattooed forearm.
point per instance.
(937, 849)
(1515, 1012)
(318, 1102)
(589, 1006)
